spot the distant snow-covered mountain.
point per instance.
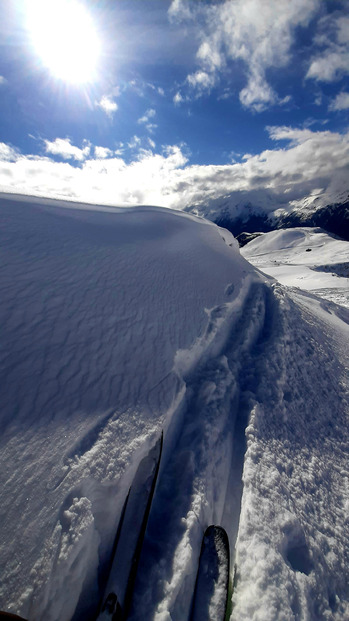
(265, 210)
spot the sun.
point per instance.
(65, 39)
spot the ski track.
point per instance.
(262, 376)
(206, 463)
(251, 397)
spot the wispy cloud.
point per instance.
(135, 142)
(143, 88)
(146, 120)
(2, 80)
(64, 148)
(255, 34)
(149, 114)
(301, 162)
(8, 153)
(108, 105)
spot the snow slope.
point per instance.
(117, 325)
(308, 258)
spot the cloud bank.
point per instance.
(303, 163)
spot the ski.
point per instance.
(129, 539)
(211, 595)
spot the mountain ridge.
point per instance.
(263, 211)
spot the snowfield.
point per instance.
(307, 258)
(120, 324)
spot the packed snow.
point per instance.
(118, 325)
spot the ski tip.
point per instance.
(218, 533)
(211, 593)
(111, 608)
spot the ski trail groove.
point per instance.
(206, 460)
(240, 351)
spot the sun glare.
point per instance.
(65, 38)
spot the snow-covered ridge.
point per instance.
(118, 326)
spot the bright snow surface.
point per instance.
(307, 258)
(123, 323)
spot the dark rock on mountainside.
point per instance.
(252, 224)
(332, 218)
(244, 238)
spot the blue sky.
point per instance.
(187, 100)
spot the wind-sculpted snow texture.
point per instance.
(120, 324)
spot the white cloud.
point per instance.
(103, 152)
(135, 142)
(66, 150)
(330, 66)
(178, 98)
(2, 80)
(151, 127)
(257, 95)
(306, 160)
(109, 181)
(210, 55)
(179, 10)
(8, 153)
(341, 102)
(201, 80)
(108, 105)
(256, 33)
(293, 135)
(149, 114)
(332, 62)
(145, 120)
